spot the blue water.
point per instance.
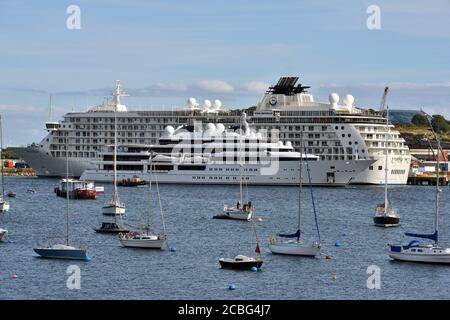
(192, 272)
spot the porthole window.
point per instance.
(349, 135)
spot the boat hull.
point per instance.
(74, 254)
(113, 210)
(421, 258)
(114, 230)
(384, 221)
(332, 173)
(143, 243)
(77, 194)
(234, 215)
(294, 249)
(240, 265)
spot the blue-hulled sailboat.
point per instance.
(416, 251)
(293, 244)
(63, 251)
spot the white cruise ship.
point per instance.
(212, 154)
(333, 131)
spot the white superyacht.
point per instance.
(332, 131)
(212, 154)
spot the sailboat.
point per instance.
(385, 215)
(4, 205)
(416, 251)
(146, 239)
(64, 251)
(242, 262)
(241, 211)
(293, 244)
(114, 206)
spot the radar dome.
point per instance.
(348, 100)
(333, 98)
(192, 102)
(217, 104)
(220, 127)
(207, 104)
(170, 130)
(288, 144)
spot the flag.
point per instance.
(257, 249)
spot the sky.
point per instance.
(165, 51)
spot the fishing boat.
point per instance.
(63, 251)
(4, 205)
(76, 189)
(145, 238)
(385, 215)
(241, 211)
(416, 251)
(3, 234)
(294, 244)
(114, 206)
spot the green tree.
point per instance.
(419, 120)
(440, 124)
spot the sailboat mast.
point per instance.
(436, 219)
(439, 151)
(115, 157)
(149, 196)
(300, 181)
(67, 188)
(1, 158)
(386, 163)
(240, 160)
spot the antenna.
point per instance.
(383, 99)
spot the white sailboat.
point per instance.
(4, 205)
(385, 214)
(416, 251)
(63, 251)
(115, 206)
(146, 238)
(293, 244)
(241, 211)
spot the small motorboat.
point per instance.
(111, 227)
(241, 262)
(12, 194)
(142, 240)
(78, 189)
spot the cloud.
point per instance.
(254, 86)
(214, 86)
(13, 108)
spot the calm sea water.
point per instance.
(192, 272)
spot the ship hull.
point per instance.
(323, 173)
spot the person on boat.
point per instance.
(249, 205)
(244, 207)
(238, 205)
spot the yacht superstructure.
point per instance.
(332, 131)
